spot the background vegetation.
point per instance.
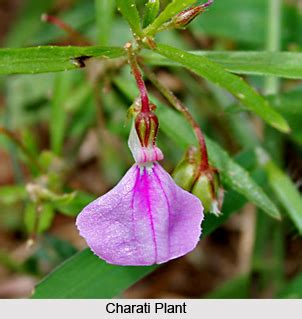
(63, 142)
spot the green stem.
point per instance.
(179, 106)
(9, 134)
(269, 235)
(74, 34)
(278, 257)
(104, 13)
(272, 84)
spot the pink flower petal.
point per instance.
(145, 219)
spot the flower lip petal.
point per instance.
(145, 219)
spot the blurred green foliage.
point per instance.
(67, 106)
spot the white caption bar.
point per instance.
(150, 309)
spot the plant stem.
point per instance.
(273, 40)
(269, 235)
(272, 86)
(104, 14)
(132, 59)
(12, 150)
(65, 27)
(179, 106)
(9, 134)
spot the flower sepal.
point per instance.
(207, 188)
(204, 183)
(142, 139)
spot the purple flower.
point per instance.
(146, 218)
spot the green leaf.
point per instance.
(38, 221)
(233, 175)
(51, 58)
(238, 87)
(239, 20)
(46, 217)
(240, 180)
(74, 207)
(293, 290)
(62, 86)
(86, 276)
(172, 9)
(12, 194)
(280, 64)
(104, 17)
(129, 11)
(236, 288)
(246, 22)
(151, 11)
(57, 199)
(283, 187)
(288, 103)
(30, 216)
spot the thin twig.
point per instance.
(11, 135)
(179, 106)
(132, 59)
(65, 27)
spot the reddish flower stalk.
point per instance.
(204, 162)
(139, 79)
(65, 27)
